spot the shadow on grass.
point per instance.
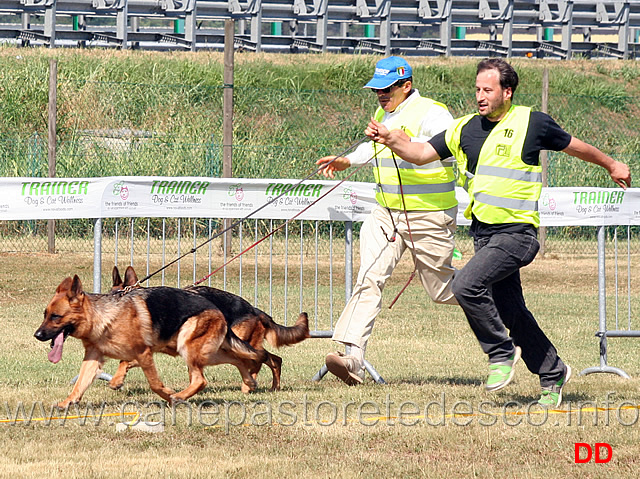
(572, 397)
(450, 381)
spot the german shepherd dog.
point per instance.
(247, 322)
(135, 325)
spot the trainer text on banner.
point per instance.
(589, 206)
(193, 197)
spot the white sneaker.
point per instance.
(345, 367)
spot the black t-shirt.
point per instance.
(543, 134)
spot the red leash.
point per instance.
(413, 246)
(283, 224)
(272, 200)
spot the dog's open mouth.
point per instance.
(55, 355)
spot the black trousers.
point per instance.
(489, 291)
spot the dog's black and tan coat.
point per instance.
(247, 322)
(133, 326)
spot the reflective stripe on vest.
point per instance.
(418, 189)
(429, 187)
(510, 174)
(504, 189)
(405, 165)
(506, 202)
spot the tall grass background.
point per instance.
(152, 113)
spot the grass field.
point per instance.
(432, 419)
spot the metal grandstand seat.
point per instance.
(409, 27)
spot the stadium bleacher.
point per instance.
(541, 28)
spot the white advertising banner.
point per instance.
(183, 197)
(589, 206)
(198, 197)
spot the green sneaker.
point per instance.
(500, 374)
(552, 396)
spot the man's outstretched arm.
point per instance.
(618, 171)
(400, 144)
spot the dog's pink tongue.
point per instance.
(55, 354)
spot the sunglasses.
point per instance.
(388, 89)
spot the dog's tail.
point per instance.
(278, 335)
(244, 350)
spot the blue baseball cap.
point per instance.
(388, 71)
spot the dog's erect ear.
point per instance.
(75, 293)
(115, 277)
(76, 286)
(130, 276)
(64, 286)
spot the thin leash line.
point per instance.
(413, 246)
(272, 232)
(272, 200)
(386, 206)
(395, 228)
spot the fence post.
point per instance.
(97, 275)
(97, 256)
(53, 100)
(348, 289)
(602, 312)
(348, 260)
(227, 116)
(544, 157)
(227, 101)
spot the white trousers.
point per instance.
(432, 233)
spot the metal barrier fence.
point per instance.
(284, 267)
(264, 267)
(303, 267)
(615, 310)
(76, 236)
(316, 254)
(295, 256)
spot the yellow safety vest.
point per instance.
(429, 187)
(504, 189)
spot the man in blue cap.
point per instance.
(416, 209)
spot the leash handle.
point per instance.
(393, 235)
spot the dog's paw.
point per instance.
(249, 386)
(115, 384)
(62, 405)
